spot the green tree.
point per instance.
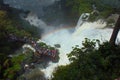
(91, 63)
(77, 7)
(7, 27)
(11, 72)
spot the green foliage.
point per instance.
(91, 63)
(24, 25)
(12, 24)
(44, 45)
(7, 25)
(18, 59)
(11, 71)
(105, 10)
(77, 7)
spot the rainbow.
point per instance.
(59, 29)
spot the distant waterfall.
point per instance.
(84, 17)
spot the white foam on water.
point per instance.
(68, 40)
(82, 19)
(64, 37)
(33, 19)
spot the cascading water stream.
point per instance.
(66, 37)
(84, 17)
(69, 37)
(34, 20)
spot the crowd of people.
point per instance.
(44, 51)
(39, 50)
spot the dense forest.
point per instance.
(11, 24)
(91, 63)
(87, 63)
(97, 8)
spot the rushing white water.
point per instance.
(33, 19)
(64, 37)
(82, 19)
(69, 37)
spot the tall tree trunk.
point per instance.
(115, 32)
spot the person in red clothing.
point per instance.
(54, 53)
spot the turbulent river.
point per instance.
(66, 36)
(68, 39)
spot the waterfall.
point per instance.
(66, 37)
(69, 39)
(33, 19)
(84, 17)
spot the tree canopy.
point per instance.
(77, 7)
(91, 63)
(9, 67)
